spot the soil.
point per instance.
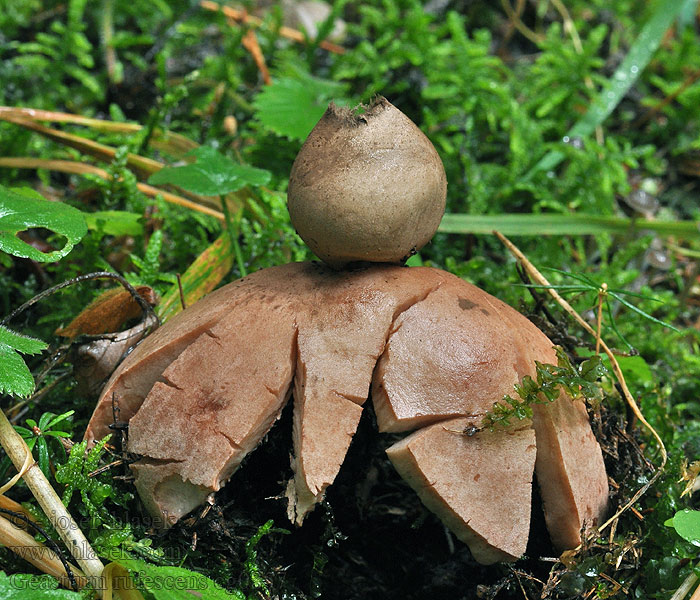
(372, 538)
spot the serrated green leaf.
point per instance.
(22, 209)
(212, 174)
(291, 107)
(15, 377)
(687, 524)
(33, 587)
(176, 583)
(115, 222)
(21, 343)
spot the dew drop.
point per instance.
(642, 201)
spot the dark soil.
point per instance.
(372, 538)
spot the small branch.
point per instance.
(243, 17)
(51, 504)
(8, 504)
(542, 280)
(685, 587)
(54, 550)
(599, 320)
(519, 25)
(250, 43)
(233, 235)
(78, 168)
(145, 306)
(43, 558)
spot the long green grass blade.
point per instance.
(558, 224)
(644, 314)
(623, 79)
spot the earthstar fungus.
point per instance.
(433, 353)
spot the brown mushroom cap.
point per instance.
(204, 389)
(366, 187)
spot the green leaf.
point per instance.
(115, 222)
(176, 583)
(687, 524)
(22, 209)
(33, 587)
(21, 343)
(15, 377)
(212, 174)
(291, 106)
(200, 278)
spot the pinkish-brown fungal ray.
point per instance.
(343, 325)
(203, 390)
(480, 486)
(459, 351)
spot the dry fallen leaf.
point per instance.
(108, 312)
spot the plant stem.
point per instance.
(51, 504)
(232, 231)
(685, 587)
(542, 280)
(563, 224)
(43, 558)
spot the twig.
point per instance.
(250, 43)
(243, 17)
(32, 556)
(181, 292)
(106, 38)
(541, 279)
(696, 594)
(76, 542)
(688, 82)
(145, 306)
(233, 234)
(78, 168)
(519, 25)
(43, 558)
(685, 587)
(599, 320)
(10, 505)
(34, 398)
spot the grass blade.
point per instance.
(644, 314)
(563, 224)
(578, 276)
(623, 79)
(613, 324)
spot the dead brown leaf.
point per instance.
(108, 312)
